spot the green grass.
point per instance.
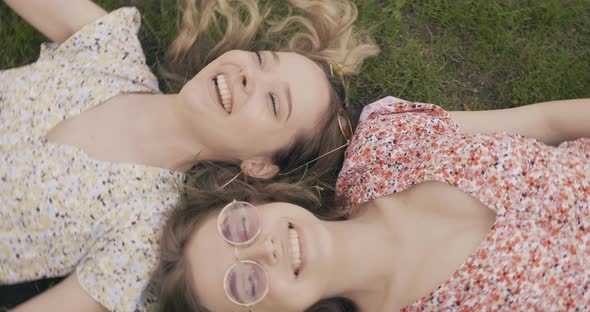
(461, 54)
(479, 54)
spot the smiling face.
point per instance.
(248, 104)
(293, 247)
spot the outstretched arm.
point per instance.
(66, 296)
(550, 122)
(57, 19)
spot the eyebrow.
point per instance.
(277, 61)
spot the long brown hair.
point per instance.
(321, 30)
(176, 289)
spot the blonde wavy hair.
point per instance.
(319, 29)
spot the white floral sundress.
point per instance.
(61, 211)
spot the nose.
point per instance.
(247, 81)
(264, 251)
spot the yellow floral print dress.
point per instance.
(61, 211)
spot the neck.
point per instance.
(364, 253)
(163, 134)
(380, 250)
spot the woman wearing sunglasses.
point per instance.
(93, 153)
(438, 212)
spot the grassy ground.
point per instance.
(479, 54)
(461, 54)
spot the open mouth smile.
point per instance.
(223, 93)
(295, 248)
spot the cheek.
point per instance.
(311, 121)
(254, 116)
(195, 93)
(232, 55)
(190, 86)
(248, 135)
(214, 64)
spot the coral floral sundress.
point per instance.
(536, 257)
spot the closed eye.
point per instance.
(252, 285)
(273, 102)
(273, 98)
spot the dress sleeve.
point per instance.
(392, 140)
(108, 46)
(105, 35)
(102, 60)
(118, 269)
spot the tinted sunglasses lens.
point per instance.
(239, 222)
(345, 126)
(246, 283)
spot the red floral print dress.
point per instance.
(536, 255)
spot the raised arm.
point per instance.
(550, 122)
(65, 296)
(57, 19)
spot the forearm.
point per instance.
(65, 296)
(57, 19)
(567, 120)
(549, 122)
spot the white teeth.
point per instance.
(295, 248)
(224, 93)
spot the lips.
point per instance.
(224, 95)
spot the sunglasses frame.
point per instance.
(342, 115)
(238, 260)
(342, 111)
(226, 276)
(226, 207)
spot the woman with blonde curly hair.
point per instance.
(93, 153)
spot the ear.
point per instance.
(259, 167)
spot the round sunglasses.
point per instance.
(246, 282)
